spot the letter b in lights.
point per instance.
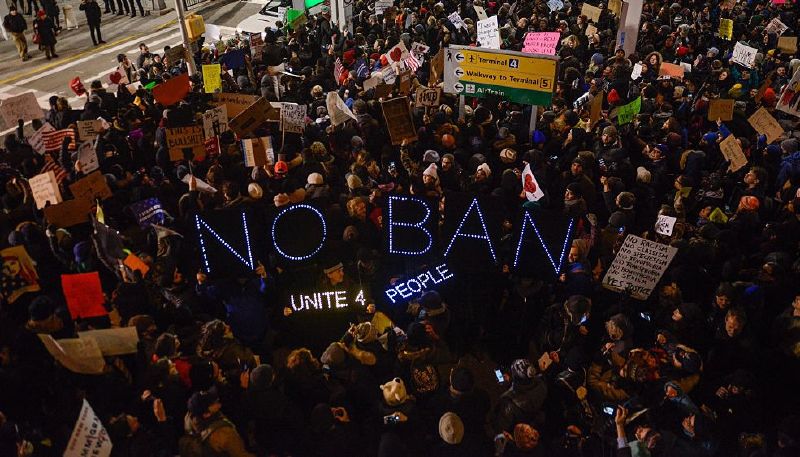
(408, 234)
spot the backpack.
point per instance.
(424, 378)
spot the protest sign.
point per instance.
(590, 30)
(555, 5)
(596, 108)
(456, 20)
(383, 90)
(175, 53)
(90, 188)
(235, 103)
(37, 139)
(592, 13)
(173, 90)
(212, 78)
(88, 130)
(293, 117)
(245, 123)
(18, 275)
(428, 96)
(255, 151)
(149, 211)
(419, 48)
(397, 54)
(68, 213)
(84, 295)
(337, 110)
(404, 86)
(541, 43)
(665, 224)
(44, 188)
(717, 216)
(437, 65)
(89, 437)
(382, 5)
(765, 124)
(733, 153)
(23, 106)
(615, 6)
(670, 71)
(257, 46)
(114, 341)
(202, 186)
(87, 157)
(687, 67)
(529, 184)
(389, 74)
(625, 113)
(215, 121)
(480, 12)
(135, 263)
(638, 266)
(789, 100)
(787, 44)
(744, 55)
(181, 139)
(76, 355)
(637, 71)
(776, 26)
(373, 81)
(726, 28)
(489, 33)
(398, 119)
(720, 108)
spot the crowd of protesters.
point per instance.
(499, 363)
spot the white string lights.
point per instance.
(293, 208)
(201, 224)
(556, 267)
(485, 235)
(417, 225)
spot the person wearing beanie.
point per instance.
(430, 156)
(254, 191)
(508, 156)
(523, 401)
(451, 431)
(316, 188)
(480, 182)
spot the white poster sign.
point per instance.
(293, 117)
(215, 121)
(87, 157)
(37, 139)
(45, 189)
(89, 437)
(744, 55)
(23, 106)
(638, 266)
(489, 33)
(665, 224)
(114, 341)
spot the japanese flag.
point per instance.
(397, 54)
(532, 190)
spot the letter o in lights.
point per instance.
(293, 208)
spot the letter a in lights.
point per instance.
(202, 226)
(556, 266)
(484, 236)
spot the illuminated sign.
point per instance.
(331, 300)
(478, 236)
(556, 266)
(394, 226)
(419, 283)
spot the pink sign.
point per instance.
(541, 43)
(778, 2)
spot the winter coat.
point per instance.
(15, 23)
(520, 403)
(46, 30)
(92, 11)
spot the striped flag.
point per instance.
(52, 140)
(338, 71)
(50, 164)
(412, 63)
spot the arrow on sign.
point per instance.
(458, 87)
(459, 57)
(459, 72)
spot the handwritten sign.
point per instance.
(383, 5)
(788, 44)
(87, 157)
(257, 151)
(776, 26)
(726, 29)
(23, 106)
(37, 139)
(293, 117)
(89, 437)
(212, 78)
(765, 124)
(90, 188)
(114, 341)
(720, 108)
(84, 295)
(183, 138)
(77, 355)
(744, 55)
(88, 130)
(592, 13)
(638, 266)
(428, 96)
(625, 113)
(235, 103)
(733, 153)
(670, 71)
(398, 119)
(337, 110)
(489, 33)
(541, 43)
(45, 189)
(215, 121)
(456, 20)
(665, 224)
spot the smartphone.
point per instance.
(499, 375)
(609, 410)
(645, 316)
(583, 320)
(391, 419)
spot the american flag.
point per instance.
(412, 63)
(51, 164)
(52, 140)
(338, 71)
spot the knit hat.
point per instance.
(451, 428)
(461, 379)
(525, 437)
(749, 203)
(508, 155)
(522, 371)
(394, 392)
(486, 170)
(626, 200)
(255, 191)
(334, 355)
(334, 267)
(315, 179)
(643, 175)
(430, 156)
(281, 199)
(431, 171)
(710, 137)
(353, 181)
(261, 377)
(200, 401)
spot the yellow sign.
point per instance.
(726, 28)
(212, 78)
(516, 71)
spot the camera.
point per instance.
(391, 419)
(645, 316)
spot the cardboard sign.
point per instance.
(744, 55)
(23, 106)
(90, 188)
(89, 437)
(114, 341)
(404, 88)
(592, 13)
(337, 110)
(480, 12)
(765, 124)
(88, 130)
(256, 151)
(665, 224)
(215, 121)
(615, 6)
(398, 119)
(733, 153)
(212, 78)
(383, 90)
(625, 113)
(382, 5)
(489, 33)
(44, 188)
(84, 295)
(173, 90)
(175, 53)
(69, 213)
(788, 44)
(18, 275)
(596, 108)
(670, 70)
(87, 157)
(726, 29)
(427, 97)
(37, 139)
(788, 101)
(638, 266)
(245, 123)
(180, 139)
(235, 103)
(776, 26)
(541, 43)
(456, 20)
(293, 117)
(136, 264)
(590, 30)
(77, 355)
(720, 108)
